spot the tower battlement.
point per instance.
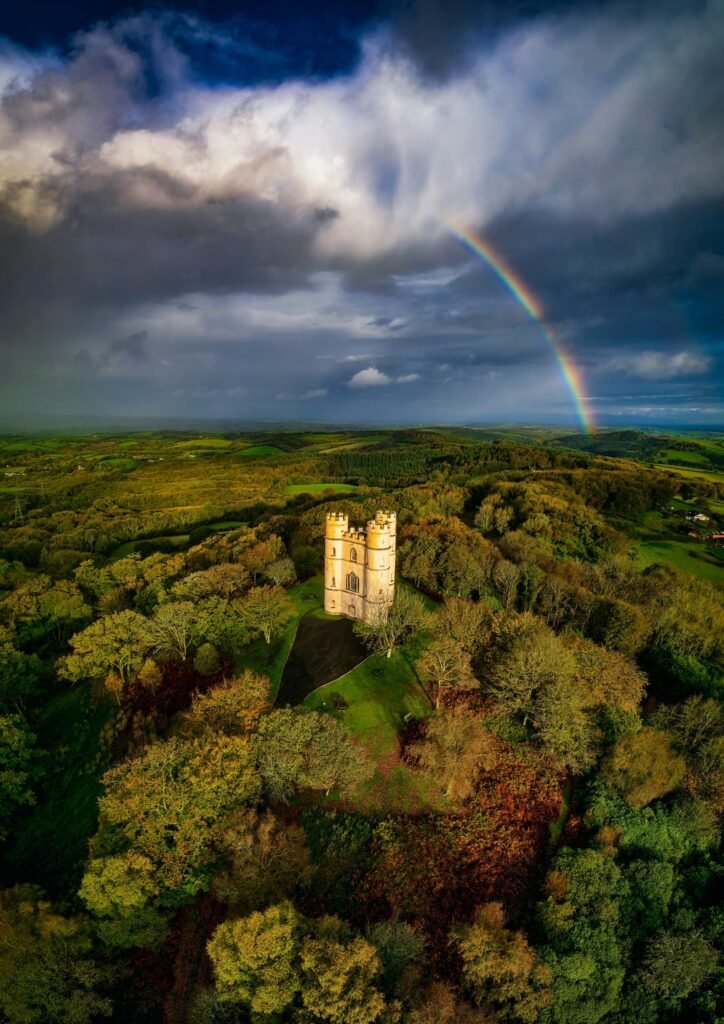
(359, 565)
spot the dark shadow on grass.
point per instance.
(323, 650)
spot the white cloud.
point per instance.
(554, 128)
(407, 378)
(369, 378)
(662, 365)
(315, 393)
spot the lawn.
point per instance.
(69, 730)
(379, 695)
(690, 556)
(374, 701)
(318, 488)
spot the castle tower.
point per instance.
(359, 566)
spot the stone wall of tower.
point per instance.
(359, 566)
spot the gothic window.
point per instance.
(352, 555)
(352, 582)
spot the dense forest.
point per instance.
(220, 805)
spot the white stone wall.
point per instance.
(369, 555)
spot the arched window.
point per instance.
(352, 582)
(334, 582)
(334, 552)
(352, 555)
(332, 604)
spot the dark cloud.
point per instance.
(240, 243)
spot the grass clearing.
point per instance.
(704, 561)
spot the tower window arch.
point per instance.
(353, 555)
(352, 582)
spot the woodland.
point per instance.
(219, 805)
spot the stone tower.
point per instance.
(359, 566)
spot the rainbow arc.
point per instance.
(522, 294)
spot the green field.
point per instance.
(318, 488)
(690, 556)
(706, 474)
(261, 449)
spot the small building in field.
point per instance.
(359, 566)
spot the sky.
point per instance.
(255, 210)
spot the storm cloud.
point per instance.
(171, 244)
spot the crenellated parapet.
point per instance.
(359, 565)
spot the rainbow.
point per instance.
(522, 293)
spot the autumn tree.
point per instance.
(171, 805)
(266, 859)
(170, 631)
(441, 1004)
(406, 617)
(340, 976)
(446, 667)
(301, 749)
(122, 893)
(234, 707)
(256, 959)
(643, 766)
(115, 644)
(455, 747)
(500, 968)
(265, 610)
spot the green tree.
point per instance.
(301, 749)
(677, 965)
(115, 644)
(500, 968)
(256, 959)
(170, 631)
(643, 766)
(401, 950)
(265, 610)
(19, 767)
(565, 724)
(47, 971)
(525, 656)
(406, 618)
